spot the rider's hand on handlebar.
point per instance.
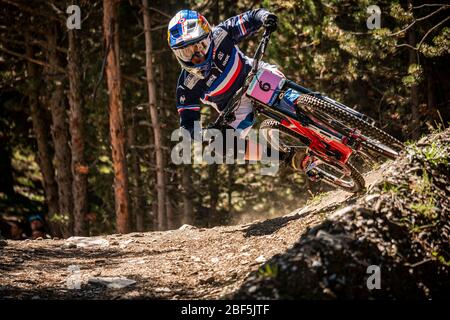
(270, 22)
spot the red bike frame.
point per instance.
(319, 144)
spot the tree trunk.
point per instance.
(116, 122)
(41, 131)
(431, 96)
(171, 223)
(414, 93)
(186, 183)
(135, 176)
(79, 168)
(158, 142)
(60, 134)
(6, 178)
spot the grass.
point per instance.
(316, 198)
(440, 258)
(392, 188)
(435, 153)
(423, 184)
(425, 208)
(268, 271)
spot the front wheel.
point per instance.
(344, 176)
(375, 140)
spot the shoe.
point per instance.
(296, 159)
(300, 160)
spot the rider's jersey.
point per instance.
(229, 69)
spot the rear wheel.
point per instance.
(377, 141)
(344, 176)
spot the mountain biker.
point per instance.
(213, 67)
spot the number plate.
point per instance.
(265, 86)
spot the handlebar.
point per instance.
(227, 113)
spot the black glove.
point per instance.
(270, 22)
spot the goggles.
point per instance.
(198, 49)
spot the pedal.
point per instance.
(313, 176)
(309, 170)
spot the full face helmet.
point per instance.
(189, 37)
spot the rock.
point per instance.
(68, 245)
(187, 227)
(86, 242)
(39, 238)
(340, 213)
(243, 248)
(112, 282)
(162, 289)
(137, 235)
(209, 280)
(3, 243)
(136, 261)
(125, 243)
(252, 289)
(330, 239)
(260, 259)
(316, 263)
(371, 197)
(214, 260)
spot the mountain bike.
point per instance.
(328, 132)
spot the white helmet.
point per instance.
(189, 37)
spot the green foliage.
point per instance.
(391, 187)
(441, 258)
(440, 46)
(268, 270)
(435, 154)
(415, 75)
(316, 198)
(426, 208)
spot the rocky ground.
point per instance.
(322, 250)
(399, 229)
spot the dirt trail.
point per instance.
(322, 250)
(187, 263)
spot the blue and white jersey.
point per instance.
(229, 69)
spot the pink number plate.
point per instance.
(265, 86)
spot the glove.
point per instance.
(270, 22)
